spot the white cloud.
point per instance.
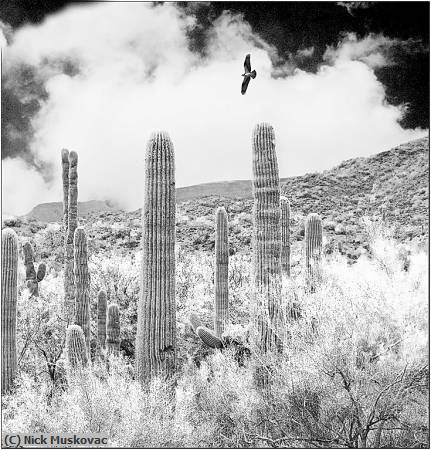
(375, 50)
(305, 52)
(137, 75)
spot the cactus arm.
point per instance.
(209, 338)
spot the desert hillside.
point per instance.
(392, 185)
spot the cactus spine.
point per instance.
(101, 319)
(9, 294)
(72, 223)
(32, 277)
(221, 272)
(266, 231)
(285, 236)
(76, 350)
(156, 334)
(313, 246)
(113, 330)
(82, 284)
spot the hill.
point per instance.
(392, 186)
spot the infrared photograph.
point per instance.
(215, 224)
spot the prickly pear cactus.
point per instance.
(113, 330)
(72, 223)
(9, 294)
(266, 233)
(32, 277)
(221, 272)
(82, 284)
(285, 236)
(156, 334)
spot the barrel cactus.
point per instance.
(313, 247)
(156, 331)
(221, 272)
(209, 338)
(32, 277)
(76, 349)
(9, 294)
(82, 284)
(72, 223)
(101, 319)
(266, 232)
(285, 236)
(113, 330)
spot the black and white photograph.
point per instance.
(215, 224)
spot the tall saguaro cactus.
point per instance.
(101, 319)
(32, 277)
(72, 223)
(9, 294)
(65, 177)
(113, 330)
(156, 334)
(221, 272)
(266, 231)
(82, 284)
(313, 246)
(285, 236)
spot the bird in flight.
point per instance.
(247, 74)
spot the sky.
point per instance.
(336, 81)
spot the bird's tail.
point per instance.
(253, 74)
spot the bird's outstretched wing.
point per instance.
(247, 65)
(245, 85)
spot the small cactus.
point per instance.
(101, 319)
(221, 272)
(266, 232)
(113, 330)
(72, 223)
(9, 295)
(32, 277)
(76, 350)
(313, 247)
(156, 333)
(209, 338)
(285, 236)
(82, 284)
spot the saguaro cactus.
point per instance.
(113, 330)
(156, 334)
(285, 236)
(9, 294)
(76, 350)
(65, 176)
(32, 277)
(72, 223)
(266, 231)
(313, 246)
(221, 272)
(82, 284)
(101, 319)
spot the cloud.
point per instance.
(375, 50)
(352, 6)
(115, 72)
(305, 52)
